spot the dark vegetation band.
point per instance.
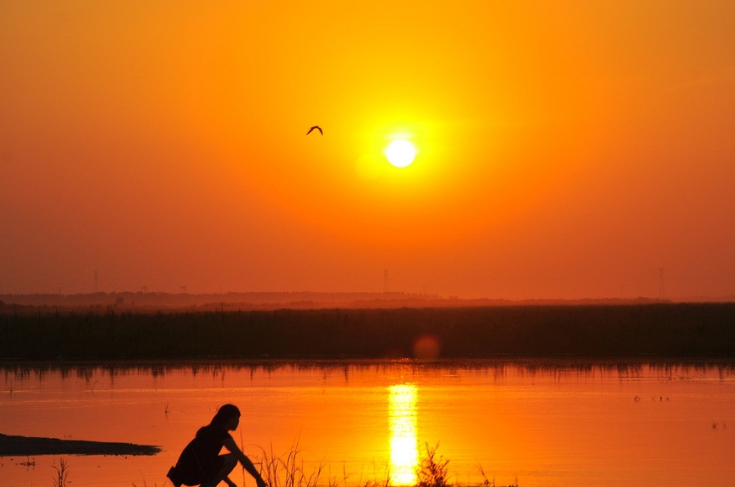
(657, 330)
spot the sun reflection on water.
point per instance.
(404, 454)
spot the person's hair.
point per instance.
(224, 414)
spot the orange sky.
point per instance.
(566, 149)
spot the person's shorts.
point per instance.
(195, 473)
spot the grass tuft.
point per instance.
(432, 471)
(62, 473)
(288, 470)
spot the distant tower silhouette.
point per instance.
(95, 280)
(385, 280)
(661, 290)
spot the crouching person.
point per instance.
(201, 463)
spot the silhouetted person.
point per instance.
(317, 127)
(201, 464)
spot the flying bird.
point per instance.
(315, 127)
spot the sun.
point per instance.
(400, 153)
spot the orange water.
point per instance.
(540, 423)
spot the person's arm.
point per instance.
(245, 461)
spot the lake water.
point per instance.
(543, 423)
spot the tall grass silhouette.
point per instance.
(62, 473)
(289, 470)
(432, 471)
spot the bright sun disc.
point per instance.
(400, 153)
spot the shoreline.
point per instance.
(16, 446)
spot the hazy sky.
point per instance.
(566, 149)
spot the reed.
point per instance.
(288, 470)
(62, 473)
(432, 471)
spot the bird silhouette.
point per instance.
(315, 127)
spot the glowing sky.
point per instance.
(565, 149)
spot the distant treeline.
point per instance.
(656, 330)
(151, 302)
(233, 301)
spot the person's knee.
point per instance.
(230, 462)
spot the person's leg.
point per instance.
(227, 466)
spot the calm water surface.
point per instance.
(540, 423)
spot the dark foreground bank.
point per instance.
(34, 446)
(658, 330)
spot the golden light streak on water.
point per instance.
(404, 455)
